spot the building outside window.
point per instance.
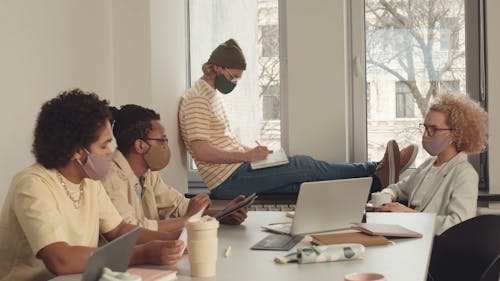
(405, 104)
(414, 50)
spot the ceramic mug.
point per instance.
(364, 277)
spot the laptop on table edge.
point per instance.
(115, 255)
(322, 206)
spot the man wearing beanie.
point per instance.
(224, 163)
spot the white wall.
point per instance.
(316, 79)
(131, 44)
(46, 47)
(169, 79)
(149, 56)
(116, 48)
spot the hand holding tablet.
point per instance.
(229, 210)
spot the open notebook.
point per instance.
(278, 157)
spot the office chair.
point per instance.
(492, 273)
(467, 251)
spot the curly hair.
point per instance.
(467, 118)
(131, 122)
(68, 122)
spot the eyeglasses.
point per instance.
(234, 79)
(431, 130)
(163, 140)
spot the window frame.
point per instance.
(194, 177)
(356, 69)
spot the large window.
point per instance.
(413, 50)
(254, 107)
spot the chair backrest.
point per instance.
(492, 273)
(464, 251)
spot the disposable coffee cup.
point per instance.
(380, 198)
(202, 246)
(364, 277)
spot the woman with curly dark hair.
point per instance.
(56, 208)
(446, 183)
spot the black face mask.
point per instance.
(223, 85)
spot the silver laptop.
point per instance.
(327, 206)
(115, 255)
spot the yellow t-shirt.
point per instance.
(202, 117)
(158, 201)
(37, 212)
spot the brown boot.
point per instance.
(407, 156)
(388, 169)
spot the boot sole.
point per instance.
(412, 159)
(392, 163)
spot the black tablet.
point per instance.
(247, 202)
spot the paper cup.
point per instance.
(202, 246)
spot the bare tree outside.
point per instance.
(269, 71)
(415, 49)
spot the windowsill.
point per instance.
(485, 196)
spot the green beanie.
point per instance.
(228, 54)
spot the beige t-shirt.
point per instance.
(158, 200)
(37, 212)
(202, 117)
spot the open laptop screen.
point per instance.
(330, 205)
(115, 255)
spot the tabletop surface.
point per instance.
(405, 259)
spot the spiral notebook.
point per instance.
(277, 158)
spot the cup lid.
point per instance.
(205, 222)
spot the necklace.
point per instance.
(76, 201)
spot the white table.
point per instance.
(406, 260)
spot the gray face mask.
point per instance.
(223, 85)
(436, 144)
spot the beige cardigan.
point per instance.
(159, 201)
(454, 198)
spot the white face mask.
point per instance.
(97, 165)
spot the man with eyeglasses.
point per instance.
(224, 163)
(133, 183)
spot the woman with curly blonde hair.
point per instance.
(446, 183)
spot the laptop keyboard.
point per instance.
(272, 207)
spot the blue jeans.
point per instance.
(287, 178)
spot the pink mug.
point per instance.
(364, 277)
